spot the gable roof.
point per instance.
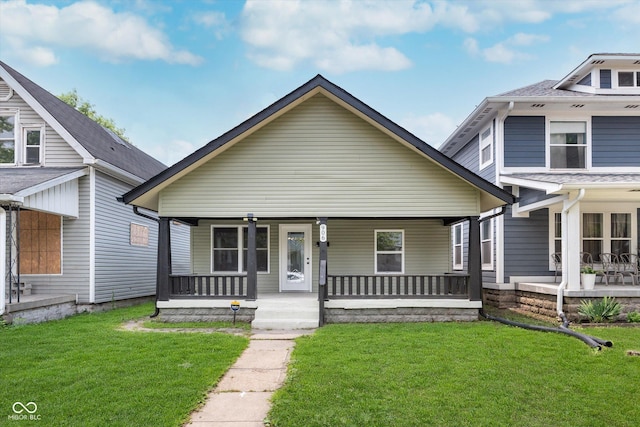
(93, 142)
(598, 59)
(146, 194)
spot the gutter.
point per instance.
(565, 253)
(137, 212)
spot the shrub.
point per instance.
(633, 317)
(605, 310)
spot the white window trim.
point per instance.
(376, 252)
(240, 229)
(488, 266)
(7, 112)
(615, 81)
(459, 266)
(484, 143)
(581, 118)
(23, 143)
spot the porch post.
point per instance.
(164, 259)
(323, 269)
(475, 264)
(252, 259)
(571, 244)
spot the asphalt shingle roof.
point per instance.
(581, 178)
(13, 180)
(93, 137)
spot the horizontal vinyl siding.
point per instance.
(351, 249)
(57, 152)
(122, 270)
(74, 279)
(524, 141)
(528, 196)
(469, 157)
(319, 160)
(526, 245)
(615, 141)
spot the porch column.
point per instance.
(252, 258)
(323, 269)
(164, 259)
(571, 244)
(475, 264)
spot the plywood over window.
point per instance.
(40, 243)
(139, 235)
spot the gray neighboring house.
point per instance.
(64, 238)
(319, 166)
(569, 150)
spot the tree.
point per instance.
(85, 107)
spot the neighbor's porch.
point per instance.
(337, 270)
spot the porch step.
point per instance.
(286, 313)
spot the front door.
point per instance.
(295, 257)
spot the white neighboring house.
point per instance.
(63, 235)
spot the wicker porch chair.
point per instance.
(610, 267)
(628, 266)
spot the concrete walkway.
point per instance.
(243, 396)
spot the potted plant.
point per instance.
(588, 277)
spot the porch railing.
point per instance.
(208, 286)
(397, 286)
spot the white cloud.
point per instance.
(172, 152)
(85, 25)
(432, 129)
(506, 51)
(337, 36)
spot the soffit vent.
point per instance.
(573, 78)
(5, 91)
(577, 106)
(636, 63)
(598, 62)
(487, 110)
(537, 105)
(631, 106)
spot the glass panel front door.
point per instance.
(295, 258)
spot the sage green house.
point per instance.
(319, 200)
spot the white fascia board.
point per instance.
(115, 172)
(44, 113)
(52, 183)
(548, 187)
(11, 198)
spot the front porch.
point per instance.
(540, 299)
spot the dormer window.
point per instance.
(33, 145)
(568, 145)
(628, 78)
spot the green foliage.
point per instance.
(457, 374)
(588, 270)
(85, 107)
(605, 310)
(87, 371)
(633, 317)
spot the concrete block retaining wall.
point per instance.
(206, 314)
(400, 314)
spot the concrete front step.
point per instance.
(284, 313)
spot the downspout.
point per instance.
(565, 257)
(137, 212)
(499, 164)
(3, 257)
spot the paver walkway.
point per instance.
(242, 398)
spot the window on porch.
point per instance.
(457, 247)
(486, 244)
(389, 251)
(229, 249)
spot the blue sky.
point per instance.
(177, 74)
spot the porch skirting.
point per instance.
(539, 299)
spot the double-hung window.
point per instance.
(32, 145)
(457, 247)
(568, 145)
(389, 257)
(7, 139)
(486, 244)
(606, 232)
(486, 147)
(229, 249)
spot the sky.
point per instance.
(176, 74)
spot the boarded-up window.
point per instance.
(40, 243)
(139, 235)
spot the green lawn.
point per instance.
(85, 371)
(459, 374)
